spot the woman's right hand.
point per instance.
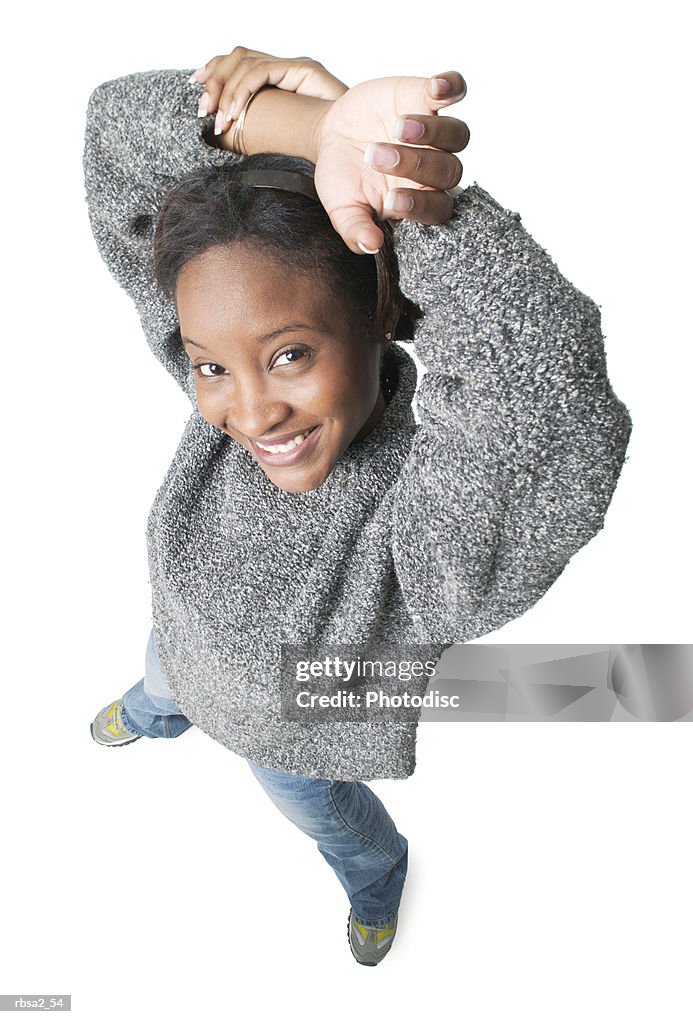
(231, 79)
(362, 166)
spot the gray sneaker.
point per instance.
(370, 945)
(108, 729)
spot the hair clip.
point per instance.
(289, 181)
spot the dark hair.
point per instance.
(209, 207)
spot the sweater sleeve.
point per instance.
(142, 135)
(521, 439)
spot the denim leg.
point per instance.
(354, 833)
(148, 708)
(145, 717)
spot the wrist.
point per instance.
(279, 121)
(316, 134)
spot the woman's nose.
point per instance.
(254, 411)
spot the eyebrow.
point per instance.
(261, 339)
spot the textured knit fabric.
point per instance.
(431, 532)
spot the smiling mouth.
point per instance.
(287, 446)
(289, 452)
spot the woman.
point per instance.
(304, 505)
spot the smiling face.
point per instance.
(279, 363)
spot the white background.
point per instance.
(550, 865)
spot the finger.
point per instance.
(229, 60)
(294, 74)
(442, 90)
(430, 167)
(355, 225)
(248, 79)
(209, 100)
(203, 74)
(198, 77)
(427, 206)
(206, 100)
(430, 130)
(217, 72)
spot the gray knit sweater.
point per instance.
(436, 532)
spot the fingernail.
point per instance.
(407, 130)
(218, 122)
(371, 252)
(381, 156)
(440, 87)
(398, 202)
(203, 104)
(193, 78)
(232, 111)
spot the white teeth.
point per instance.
(274, 449)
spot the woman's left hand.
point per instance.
(230, 80)
(362, 165)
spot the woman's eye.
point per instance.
(295, 353)
(211, 367)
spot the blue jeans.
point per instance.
(148, 708)
(354, 832)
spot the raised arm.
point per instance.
(522, 438)
(142, 135)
